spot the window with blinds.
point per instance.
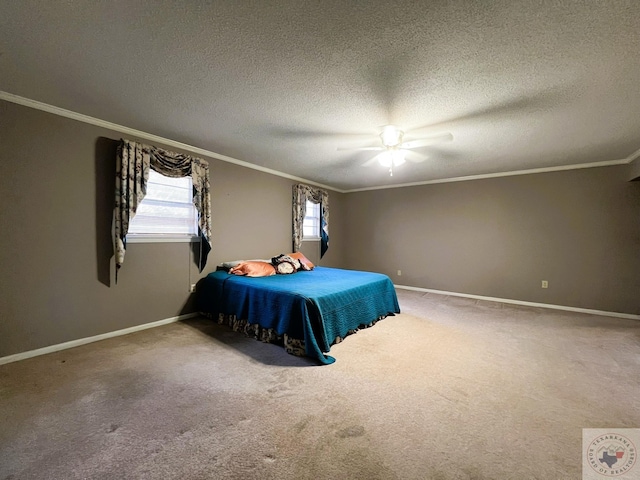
(167, 210)
(311, 223)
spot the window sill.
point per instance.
(162, 239)
(311, 239)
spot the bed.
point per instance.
(307, 312)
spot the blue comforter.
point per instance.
(316, 306)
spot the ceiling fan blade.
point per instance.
(377, 149)
(425, 142)
(444, 155)
(414, 157)
(372, 161)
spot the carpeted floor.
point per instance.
(451, 388)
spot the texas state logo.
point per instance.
(610, 453)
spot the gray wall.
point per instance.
(57, 186)
(634, 169)
(579, 230)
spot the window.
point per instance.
(311, 224)
(166, 213)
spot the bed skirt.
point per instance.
(293, 346)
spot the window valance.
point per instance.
(132, 172)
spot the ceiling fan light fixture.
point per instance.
(392, 158)
(394, 152)
(391, 136)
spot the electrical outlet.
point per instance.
(193, 288)
(545, 284)
(399, 272)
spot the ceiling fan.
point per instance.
(394, 151)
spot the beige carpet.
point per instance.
(449, 389)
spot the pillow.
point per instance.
(253, 268)
(235, 263)
(304, 261)
(285, 268)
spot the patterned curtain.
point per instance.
(302, 193)
(132, 172)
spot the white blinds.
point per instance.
(311, 223)
(167, 209)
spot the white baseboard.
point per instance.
(83, 341)
(520, 302)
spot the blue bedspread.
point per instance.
(316, 306)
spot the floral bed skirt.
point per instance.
(293, 346)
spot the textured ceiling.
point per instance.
(283, 84)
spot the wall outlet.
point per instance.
(193, 288)
(399, 272)
(545, 284)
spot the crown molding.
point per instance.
(634, 156)
(531, 171)
(27, 102)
